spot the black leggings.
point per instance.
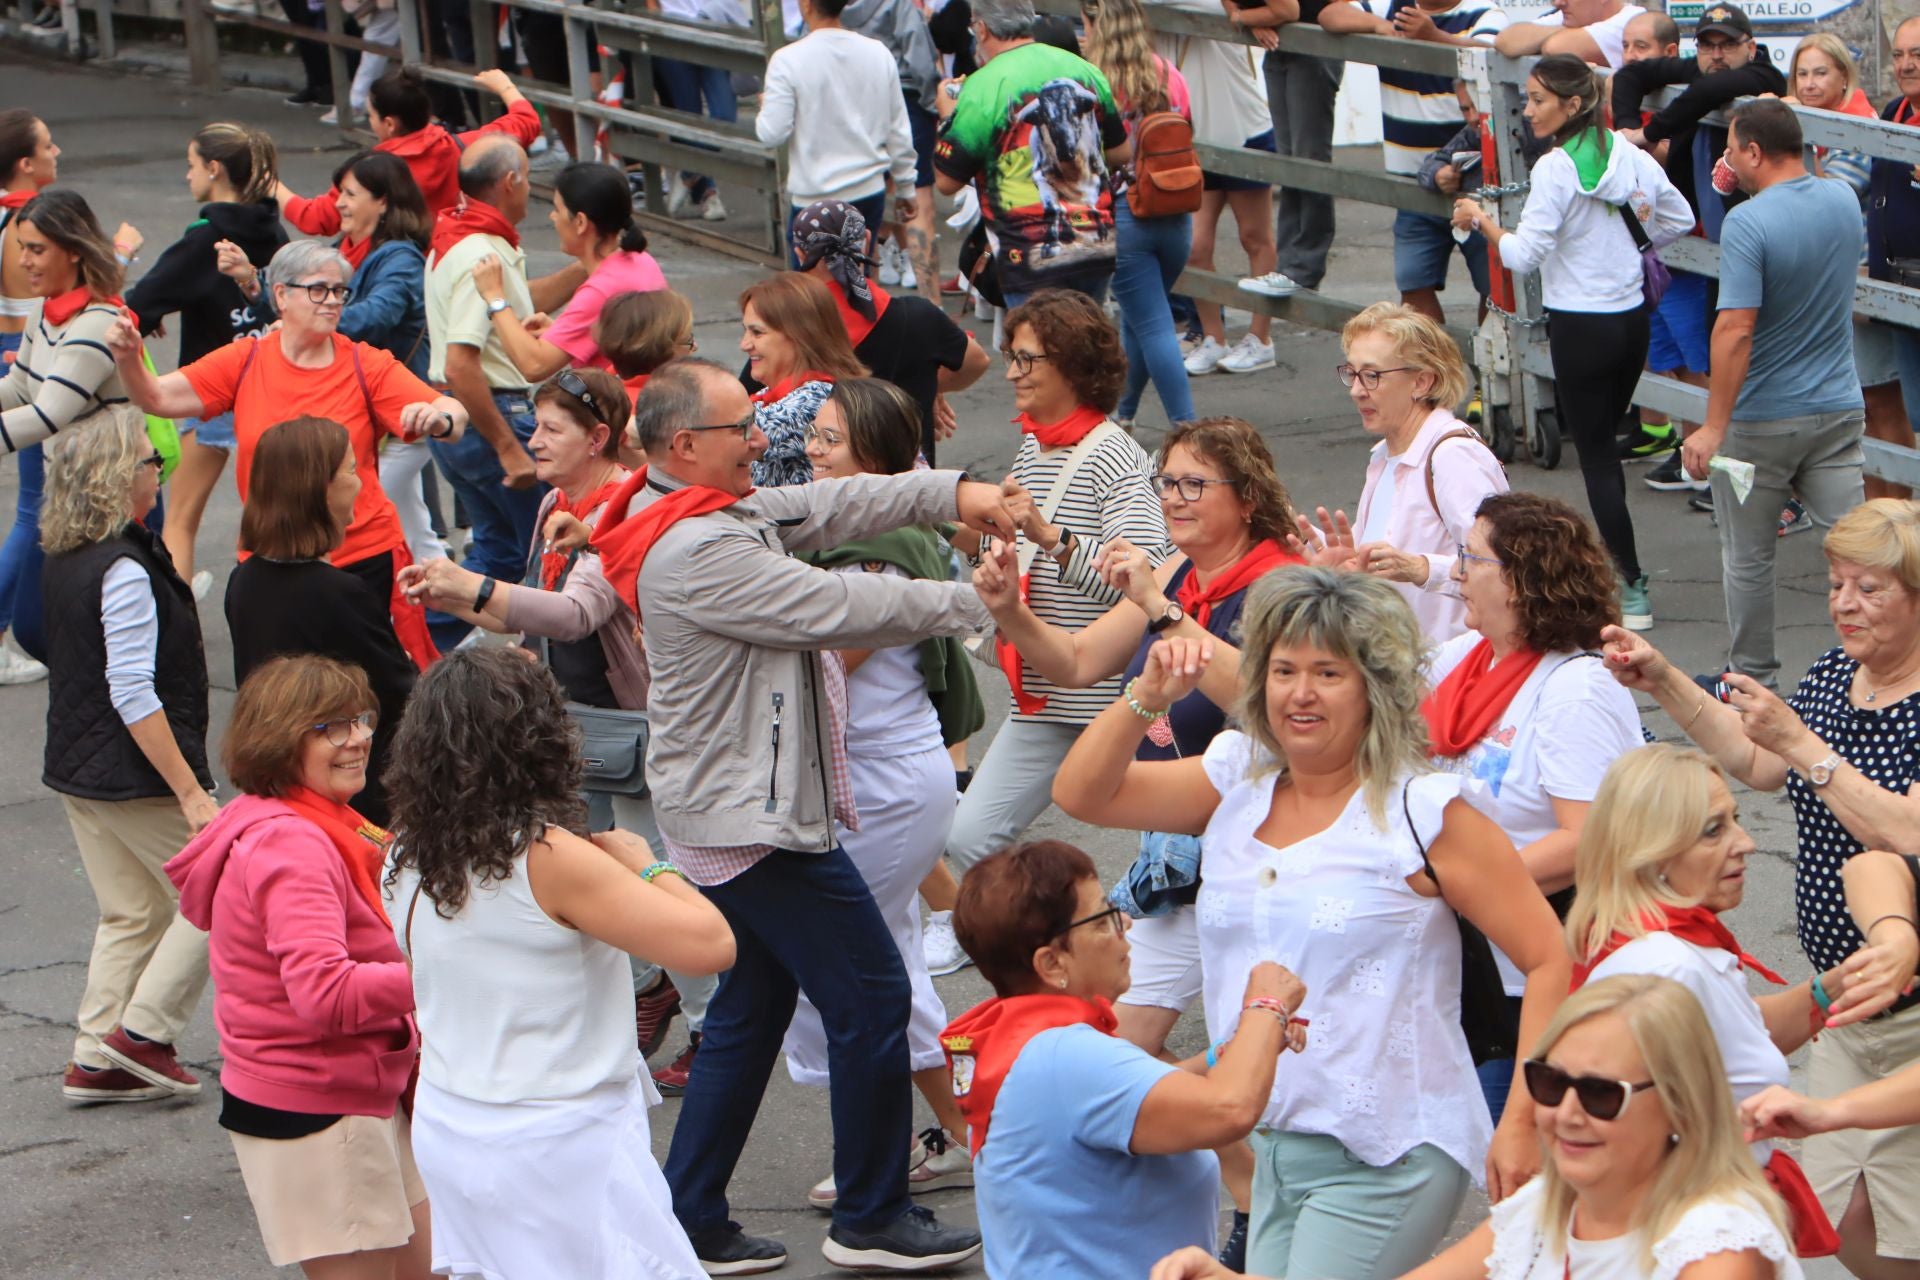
(1597, 359)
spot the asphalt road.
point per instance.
(152, 1190)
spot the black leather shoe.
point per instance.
(729, 1251)
(1233, 1254)
(914, 1241)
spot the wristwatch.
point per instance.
(495, 307)
(1065, 543)
(1168, 617)
(446, 418)
(1820, 773)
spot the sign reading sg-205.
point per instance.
(1796, 11)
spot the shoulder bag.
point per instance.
(1486, 1016)
(613, 740)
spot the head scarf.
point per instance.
(835, 232)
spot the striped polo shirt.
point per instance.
(1419, 112)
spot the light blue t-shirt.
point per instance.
(1793, 251)
(1058, 1193)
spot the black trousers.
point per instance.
(1597, 359)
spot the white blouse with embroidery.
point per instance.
(1386, 1067)
(1521, 1250)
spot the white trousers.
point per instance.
(400, 468)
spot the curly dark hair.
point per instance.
(1564, 585)
(1234, 445)
(1079, 341)
(485, 760)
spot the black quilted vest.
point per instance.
(90, 754)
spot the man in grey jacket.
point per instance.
(747, 769)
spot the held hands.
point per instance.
(1126, 569)
(1779, 1112)
(1876, 975)
(1385, 561)
(123, 339)
(1329, 546)
(439, 584)
(127, 240)
(487, 277)
(998, 577)
(1632, 661)
(1173, 670)
(199, 809)
(1471, 215)
(1021, 505)
(984, 509)
(627, 849)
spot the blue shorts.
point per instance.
(1422, 245)
(215, 432)
(925, 126)
(1221, 182)
(1681, 330)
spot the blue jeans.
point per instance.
(1422, 245)
(686, 84)
(24, 537)
(802, 922)
(1152, 254)
(503, 518)
(1906, 354)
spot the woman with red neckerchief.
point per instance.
(1662, 857)
(795, 347)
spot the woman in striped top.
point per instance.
(63, 370)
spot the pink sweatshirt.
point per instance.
(313, 1000)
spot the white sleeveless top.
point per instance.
(1521, 1251)
(512, 1006)
(1386, 1067)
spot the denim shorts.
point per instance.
(215, 432)
(1422, 245)
(926, 127)
(1221, 182)
(1873, 354)
(1681, 331)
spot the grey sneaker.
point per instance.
(914, 1241)
(1274, 284)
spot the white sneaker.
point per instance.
(823, 1195)
(679, 196)
(1248, 355)
(888, 272)
(945, 1163)
(16, 667)
(908, 279)
(711, 209)
(202, 583)
(1274, 284)
(1206, 357)
(332, 116)
(944, 955)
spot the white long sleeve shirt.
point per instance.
(131, 623)
(835, 96)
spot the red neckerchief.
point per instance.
(1904, 112)
(554, 563)
(1689, 924)
(983, 1043)
(471, 218)
(1197, 602)
(1464, 705)
(1068, 431)
(355, 251)
(16, 199)
(624, 539)
(58, 311)
(786, 386)
(858, 326)
(1813, 1235)
(362, 845)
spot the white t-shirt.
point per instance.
(1610, 35)
(1224, 80)
(888, 710)
(1544, 748)
(1521, 1250)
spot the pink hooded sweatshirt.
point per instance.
(313, 999)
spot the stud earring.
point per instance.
(1062, 984)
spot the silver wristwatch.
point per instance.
(495, 307)
(1820, 773)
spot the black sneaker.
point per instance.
(311, 97)
(1645, 444)
(914, 1241)
(1702, 502)
(729, 1251)
(1233, 1254)
(1714, 686)
(1671, 477)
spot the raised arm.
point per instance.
(1713, 725)
(1069, 659)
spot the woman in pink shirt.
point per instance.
(593, 216)
(314, 1002)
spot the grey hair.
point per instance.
(1005, 19)
(90, 468)
(1358, 618)
(486, 164)
(299, 259)
(672, 400)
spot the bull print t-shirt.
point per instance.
(1031, 127)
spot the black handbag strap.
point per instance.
(1634, 228)
(1406, 811)
(540, 645)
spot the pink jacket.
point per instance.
(313, 1000)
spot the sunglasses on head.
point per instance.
(1600, 1098)
(576, 386)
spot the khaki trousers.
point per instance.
(149, 965)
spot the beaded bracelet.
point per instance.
(662, 868)
(1133, 704)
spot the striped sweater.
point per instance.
(62, 373)
(1111, 497)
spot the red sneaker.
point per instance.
(151, 1061)
(671, 1079)
(652, 1013)
(108, 1084)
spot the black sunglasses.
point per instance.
(576, 386)
(1602, 1099)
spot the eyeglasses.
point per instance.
(1022, 361)
(688, 344)
(825, 439)
(319, 291)
(1602, 1099)
(1368, 378)
(1192, 488)
(1460, 550)
(157, 462)
(1118, 918)
(576, 386)
(340, 732)
(744, 427)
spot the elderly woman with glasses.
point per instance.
(1427, 475)
(1090, 1153)
(308, 363)
(126, 750)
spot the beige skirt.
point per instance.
(1887, 1160)
(349, 1188)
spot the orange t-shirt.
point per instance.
(274, 391)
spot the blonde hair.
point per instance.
(1120, 44)
(1881, 533)
(1652, 806)
(1419, 343)
(247, 155)
(1364, 621)
(1708, 1160)
(90, 467)
(1828, 43)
